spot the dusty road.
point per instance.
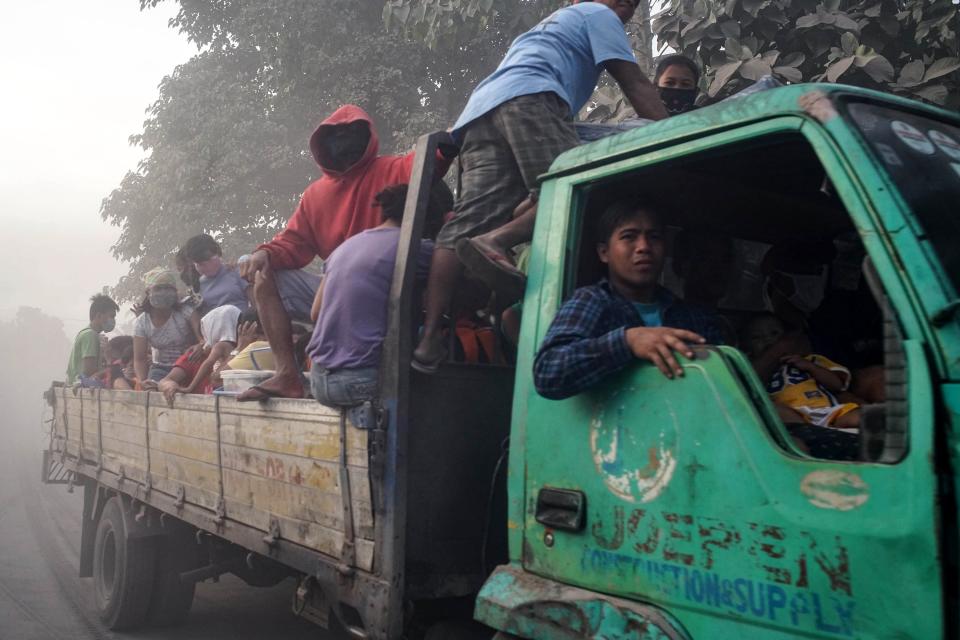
(41, 597)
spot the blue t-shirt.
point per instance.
(227, 287)
(562, 54)
(650, 313)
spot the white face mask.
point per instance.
(808, 291)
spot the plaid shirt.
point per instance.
(587, 339)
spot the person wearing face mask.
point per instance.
(166, 326)
(677, 77)
(337, 206)
(221, 284)
(795, 281)
(85, 360)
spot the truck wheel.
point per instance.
(172, 598)
(123, 571)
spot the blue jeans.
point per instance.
(344, 387)
(158, 372)
(297, 289)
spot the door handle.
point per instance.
(563, 509)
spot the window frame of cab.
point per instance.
(559, 244)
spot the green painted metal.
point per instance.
(699, 507)
(518, 602)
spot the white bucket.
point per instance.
(239, 380)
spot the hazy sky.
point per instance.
(77, 78)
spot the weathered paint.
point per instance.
(745, 537)
(263, 464)
(618, 453)
(532, 607)
(834, 489)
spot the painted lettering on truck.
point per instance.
(749, 569)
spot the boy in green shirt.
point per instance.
(85, 356)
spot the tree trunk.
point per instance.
(642, 33)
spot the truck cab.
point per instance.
(648, 507)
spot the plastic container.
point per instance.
(239, 380)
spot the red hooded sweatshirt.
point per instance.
(339, 204)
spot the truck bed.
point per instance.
(272, 469)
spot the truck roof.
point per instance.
(761, 105)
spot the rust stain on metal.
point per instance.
(818, 105)
(614, 541)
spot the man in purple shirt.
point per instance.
(350, 308)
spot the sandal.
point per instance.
(495, 269)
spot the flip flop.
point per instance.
(494, 269)
(431, 367)
(266, 394)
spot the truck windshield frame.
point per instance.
(920, 154)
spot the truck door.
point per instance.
(689, 493)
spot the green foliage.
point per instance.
(442, 23)
(227, 138)
(909, 47)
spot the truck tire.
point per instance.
(172, 598)
(123, 571)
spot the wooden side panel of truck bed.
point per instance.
(278, 461)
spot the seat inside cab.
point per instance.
(746, 222)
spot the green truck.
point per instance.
(642, 508)
(656, 508)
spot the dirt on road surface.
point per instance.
(42, 598)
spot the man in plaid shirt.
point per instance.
(626, 316)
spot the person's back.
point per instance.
(559, 55)
(86, 344)
(352, 304)
(353, 319)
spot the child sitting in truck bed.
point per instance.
(85, 358)
(804, 386)
(627, 316)
(189, 375)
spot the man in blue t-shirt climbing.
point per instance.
(517, 121)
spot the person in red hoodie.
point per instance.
(335, 207)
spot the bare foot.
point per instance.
(275, 387)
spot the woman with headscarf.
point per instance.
(166, 326)
(195, 375)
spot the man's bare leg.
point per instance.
(445, 270)
(517, 231)
(286, 382)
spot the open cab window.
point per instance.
(758, 234)
(700, 496)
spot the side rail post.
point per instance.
(390, 531)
